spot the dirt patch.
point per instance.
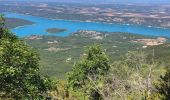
(56, 49)
(151, 42)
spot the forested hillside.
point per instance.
(14, 22)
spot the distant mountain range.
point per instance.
(103, 1)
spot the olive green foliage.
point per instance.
(4, 32)
(131, 78)
(2, 24)
(135, 76)
(2, 21)
(19, 69)
(135, 59)
(87, 74)
(164, 87)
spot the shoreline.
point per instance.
(127, 24)
(21, 26)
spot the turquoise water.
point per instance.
(41, 24)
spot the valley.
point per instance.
(58, 54)
(84, 50)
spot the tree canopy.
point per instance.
(88, 73)
(19, 68)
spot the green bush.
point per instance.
(19, 68)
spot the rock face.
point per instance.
(151, 42)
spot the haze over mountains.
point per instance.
(104, 1)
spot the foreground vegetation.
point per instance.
(134, 76)
(19, 69)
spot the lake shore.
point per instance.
(43, 24)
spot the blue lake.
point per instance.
(41, 24)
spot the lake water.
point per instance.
(41, 24)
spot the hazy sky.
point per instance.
(105, 1)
